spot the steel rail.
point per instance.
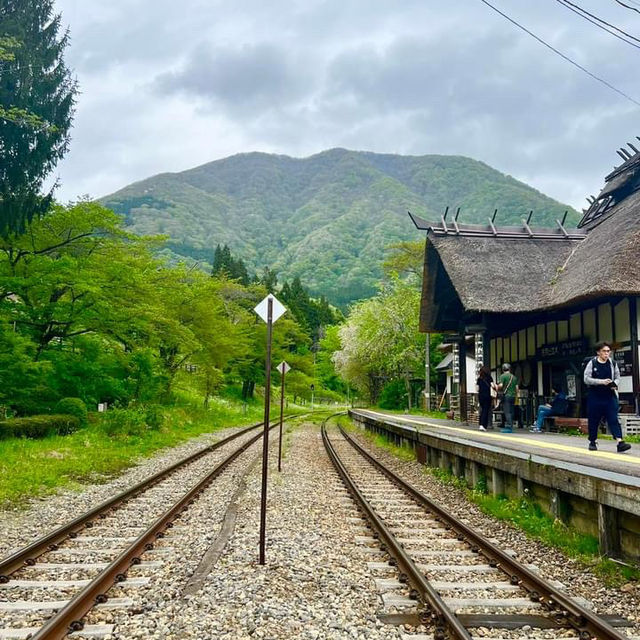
(441, 615)
(28, 554)
(587, 623)
(69, 618)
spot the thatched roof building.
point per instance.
(522, 289)
(477, 269)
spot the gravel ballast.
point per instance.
(318, 581)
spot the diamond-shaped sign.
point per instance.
(283, 367)
(276, 311)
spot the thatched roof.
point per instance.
(499, 275)
(466, 273)
(607, 261)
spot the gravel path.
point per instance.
(316, 583)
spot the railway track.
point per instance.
(440, 573)
(48, 587)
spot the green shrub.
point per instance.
(39, 426)
(124, 422)
(393, 395)
(73, 407)
(154, 417)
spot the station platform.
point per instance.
(596, 492)
(560, 449)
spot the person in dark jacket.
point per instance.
(602, 376)
(558, 407)
(485, 385)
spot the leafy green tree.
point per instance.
(22, 380)
(37, 97)
(405, 259)
(325, 368)
(74, 272)
(381, 340)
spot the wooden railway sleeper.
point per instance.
(592, 626)
(18, 560)
(422, 589)
(58, 625)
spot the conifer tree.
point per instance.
(37, 96)
(225, 263)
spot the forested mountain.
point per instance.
(326, 218)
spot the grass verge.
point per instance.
(34, 468)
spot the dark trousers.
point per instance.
(508, 404)
(485, 411)
(607, 408)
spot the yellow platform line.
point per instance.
(499, 436)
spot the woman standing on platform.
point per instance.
(602, 376)
(485, 386)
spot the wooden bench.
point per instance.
(564, 423)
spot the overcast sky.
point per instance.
(166, 85)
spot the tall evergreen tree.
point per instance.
(37, 95)
(269, 279)
(225, 263)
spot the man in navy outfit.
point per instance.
(602, 376)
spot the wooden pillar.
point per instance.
(427, 373)
(635, 357)
(458, 466)
(497, 482)
(554, 503)
(476, 474)
(463, 381)
(608, 530)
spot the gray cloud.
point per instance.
(167, 86)
(248, 80)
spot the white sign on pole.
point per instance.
(283, 367)
(277, 310)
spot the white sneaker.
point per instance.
(481, 428)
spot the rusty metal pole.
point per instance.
(284, 371)
(265, 439)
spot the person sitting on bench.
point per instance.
(558, 407)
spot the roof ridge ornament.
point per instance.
(619, 184)
(492, 231)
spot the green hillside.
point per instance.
(326, 218)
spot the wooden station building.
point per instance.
(541, 298)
